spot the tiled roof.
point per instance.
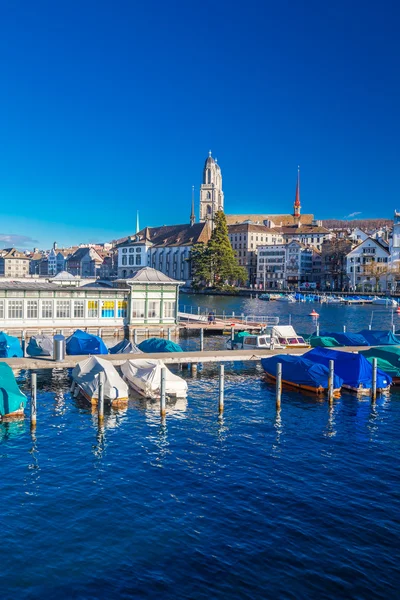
(276, 219)
(150, 275)
(250, 228)
(14, 253)
(171, 235)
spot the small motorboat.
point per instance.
(40, 345)
(388, 302)
(12, 400)
(302, 374)
(125, 347)
(144, 376)
(286, 298)
(86, 380)
(81, 342)
(388, 360)
(352, 368)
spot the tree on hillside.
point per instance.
(216, 264)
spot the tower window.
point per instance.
(208, 209)
(208, 176)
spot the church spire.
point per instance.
(137, 221)
(297, 205)
(192, 215)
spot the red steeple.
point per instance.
(297, 204)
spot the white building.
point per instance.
(368, 266)
(284, 265)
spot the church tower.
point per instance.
(297, 205)
(211, 194)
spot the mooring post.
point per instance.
(369, 327)
(100, 332)
(101, 397)
(278, 384)
(344, 328)
(169, 333)
(317, 327)
(162, 391)
(221, 387)
(23, 343)
(330, 380)
(135, 336)
(394, 328)
(147, 332)
(374, 377)
(201, 339)
(198, 310)
(232, 337)
(33, 399)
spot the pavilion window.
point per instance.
(15, 309)
(122, 308)
(32, 309)
(47, 309)
(79, 309)
(138, 309)
(93, 309)
(108, 309)
(153, 311)
(169, 309)
(1, 309)
(63, 309)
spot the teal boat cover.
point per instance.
(81, 342)
(322, 341)
(300, 371)
(348, 339)
(10, 346)
(238, 338)
(11, 397)
(154, 345)
(385, 354)
(380, 338)
(352, 367)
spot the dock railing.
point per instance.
(199, 314)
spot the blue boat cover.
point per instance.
(348, 339)
(81, 342)
(300, 371)
(11, 397)
(159, 345)
(9, 346)
(40, 345)
(352, 367)
(125, 347)
(380, 338)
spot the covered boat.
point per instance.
(40, 345)
(155, 345)
(388, 359)
(380, 338)
(10, 346)
(12, 400)
(352, 367)
(81, 342)
(125, 347)
(322, 341)
(144, 376)
(389, 302)
(301, 373)
(347, 339)
(86, 380)
(284, 336)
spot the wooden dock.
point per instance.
(169, 358)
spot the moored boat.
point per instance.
(81, 342)
(86, 380)
(125, 347)
(10, 346)
(155, 345)
(352, 367)
(388, 360)
(40, 345)
(144, 376)
(388, 302)
(12, 400)
(301, 374)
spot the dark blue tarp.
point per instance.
(9, 346)
(81, 342)
(300, 371)
(352, 367)
(159, 345)
(124, 347)
(11, 397)
(348, 339)
(380, 338)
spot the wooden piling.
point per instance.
(33, 400)
(278, 384)
(162, 391)
(221, 387)
(101, 398)
(330, 380)
(374, 378)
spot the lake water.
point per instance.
(303, 503)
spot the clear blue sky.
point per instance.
(109, 107)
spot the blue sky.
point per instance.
(110, 107)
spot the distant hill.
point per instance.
(364, 224)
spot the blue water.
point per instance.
(303, 503)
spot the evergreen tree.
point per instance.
(216, 263)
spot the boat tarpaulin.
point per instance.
(125, 347)
(159, 345)
(322, 341)
(385, 366)
(380, 338)
(40, 345)
(300, 371)
(81, 342)
(390, 354)
(10, 346)
(352, 367)
(87, 375)
(144, 375)
(240, 335)
(11, 397)
(347, 339)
